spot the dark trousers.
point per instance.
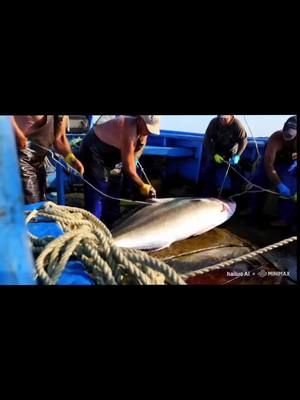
(213, 178)
(33, 175)
(287, 208)
(102, 207)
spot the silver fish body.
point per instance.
(169, 220)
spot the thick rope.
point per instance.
(245, 257)
(88, 240)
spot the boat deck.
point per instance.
(238, 236)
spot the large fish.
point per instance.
(168, 220)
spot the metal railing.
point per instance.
(16, 263)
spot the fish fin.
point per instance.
(159, 201)
(156, 247)
(209, 228)
(169, 199)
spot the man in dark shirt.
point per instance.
(225, 139)
(280, 161)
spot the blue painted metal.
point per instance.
(60, 186)
(190, 167)
(16, 263)
(74, 273)
(168, 151)
(185, 147)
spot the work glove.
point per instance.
(218, 159)
(235, 160)
(74, 162)
(148, 191)
(283, 190)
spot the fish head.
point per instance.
(228, 206)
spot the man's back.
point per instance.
(115, 131)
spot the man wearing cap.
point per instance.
(225, 139)
(106, 145)
(31, 132)
(280, 162)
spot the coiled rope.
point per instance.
(88, 240)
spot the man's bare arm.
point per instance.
(21, 139)
(269, 160)
(128, 159)
(62, 144)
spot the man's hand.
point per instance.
(283, 190)
(78, 166)
(148, 191)
(21, 142)
(218, 159)
(21, 139)
(75, 163)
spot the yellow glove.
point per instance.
(218, 159)
(70, 158)
(147, 191)
(74, 162)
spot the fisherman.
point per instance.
(280, 161)
(33, 131)
(106, 145)
(128, 186)
(225, 139)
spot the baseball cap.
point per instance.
(153, 123)
(290, 128)
(224, 116)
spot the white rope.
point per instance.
(251, 185)
(224, 180)
(144, 173)
(88, 240)
(255, 142)
(75, 172)
(233, 261)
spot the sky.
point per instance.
(261, 125)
